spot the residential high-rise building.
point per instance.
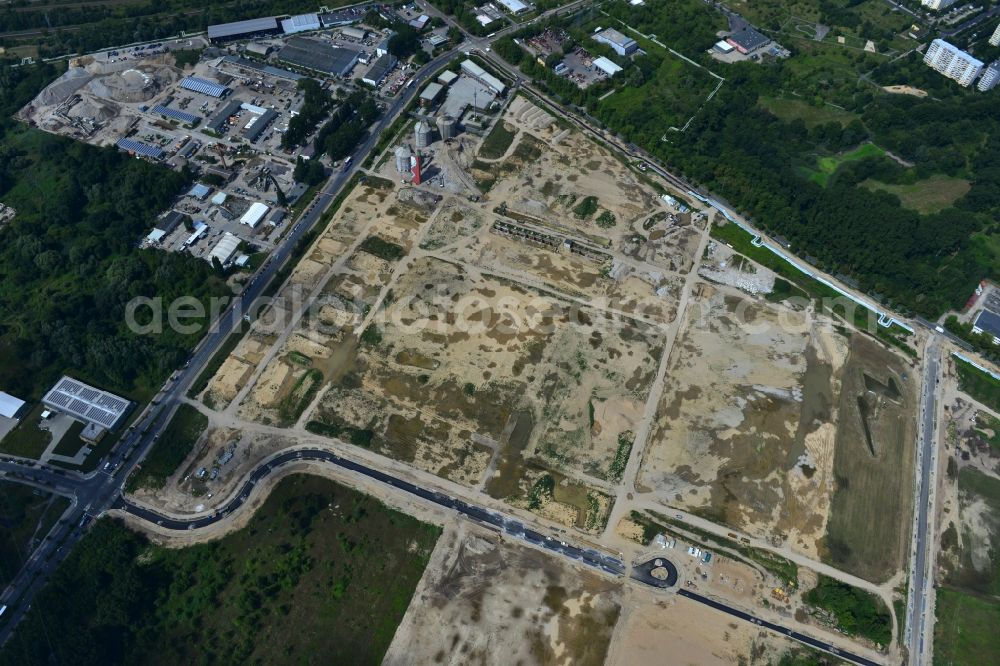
(937, 4)
(953, 62)
(995, 37)
(990, 78)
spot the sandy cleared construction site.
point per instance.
(548, 332)
(778, 423)
(511, 348)
(483, 600)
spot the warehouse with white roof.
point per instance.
(300, 23)
(254, 215)
(484, 77)
(11, 407)
(225, 249)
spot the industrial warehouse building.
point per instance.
(204, 86)
(621, 44)
(169, 222)
(11, 407)
(319, 57)
(988, 322)
(225, 248)
(140, 149)
(255, 66)
(99, 411)
(484, 77)
(607, 66)
(254, 215)
(748, 40)
(225, 32)
(357, 34)
(300, 23)
(258, 125)
(379, 70)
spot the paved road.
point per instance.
(975, 20)
(505, 523)
(643, 572)
(921, 582)
(802, 638)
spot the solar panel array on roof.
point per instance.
(241, 28)
(140, 148)
(176, 114)
(204, 86)
(86, 403)
(989, 322)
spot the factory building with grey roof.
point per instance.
(317, 56)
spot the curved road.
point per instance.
(511, 526)
(588, 556)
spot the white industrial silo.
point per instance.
(403, 159)
(446, 127)
(422, 134)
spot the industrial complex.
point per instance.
(637, 425)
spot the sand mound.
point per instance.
(67, 84)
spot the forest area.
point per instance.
(851, 222)
(320, 570)
(80, 28)
(69, 262)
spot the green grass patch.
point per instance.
(371, 336)
(358, 436)
(965, 631)
(586, 208)
(27, 440)
(299, 358)
(978, 384)
(827, 166)
(791, 109)
(497, 142)
(174, 445)
(617, 469)
(186, 57)
(71, 443)
(605, 220)
(857, 612)
(992, 425)
(319, 570)
(305, 389)
(382, 248)
(541, 491)
(929, 195)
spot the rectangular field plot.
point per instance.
(775, 423)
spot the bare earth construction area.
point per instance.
(541, 331)
(778, 423)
